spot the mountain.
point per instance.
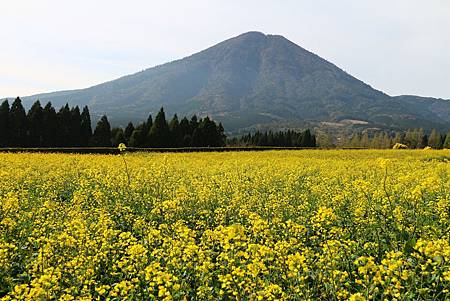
(255, 81)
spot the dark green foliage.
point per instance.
(159, 133)
(203, 132)
(86, 128)
(135, 139)
(207, 134)
(102, 133)
(50, 126)
(277, 139)
(139, 137)
(176, 138)
(308, 140)
(5, 127)
(128, 132)
(64, 126)
(412, 138)
(76, 135)
(447, 141)
(43, 127)
(18, 122)
(118, 136)
(435, 140)
(36, 125)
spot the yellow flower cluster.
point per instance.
(275, 225)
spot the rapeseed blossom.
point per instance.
(276, 225)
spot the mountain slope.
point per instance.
(253, 80)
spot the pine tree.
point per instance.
(19, 127)
(64, 126)
(5, 129)
(185, 132)
(386, 141)
(50, 126)
(102, 133)
(75, 127)
(135, 139)
(422, 139)
(399, 138)
(324, 140)
(435, 140)
(175, 132)
(86, 127)
(356, 140)
(159, 133)
(222, 138)
(117, 136)
(193, 124)
(128, 132)
(145, 134)
(376, 141)
(307, 140)
(36, 125)
(365, 140)
(141, 137)
(411, 139)
(447, 141)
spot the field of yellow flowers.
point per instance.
(275, 225)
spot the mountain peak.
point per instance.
(253, 81)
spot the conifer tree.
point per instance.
(222, 137)
(86, 127)
(422, 138)
(5, 129)
(376, 141)
(193, 124)
(159, 133)
(324, 139)
(36, 125)
(50, 126)
(102, 133)
(136, 138)
(128, 132)
(118, 136)
(386, 141)
(185, 132)
(435, 140)
(411, 138)
(356, 140)
(18, 121)
(175, 132)
(399, 138)
(75, 127)
(307, 139)
(447, 141)
(365, 140)
(64, 126)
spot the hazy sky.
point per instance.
(397, 46)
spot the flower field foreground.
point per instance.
(277, 225)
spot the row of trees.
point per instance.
(44, 127)
(413, 138)
(160, 133)
(278, 139)
(71, 127)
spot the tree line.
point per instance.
(43, 126)
(412, 138)
(71, 127)
(287, 138)
(193, 132)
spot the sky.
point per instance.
(397, 46)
